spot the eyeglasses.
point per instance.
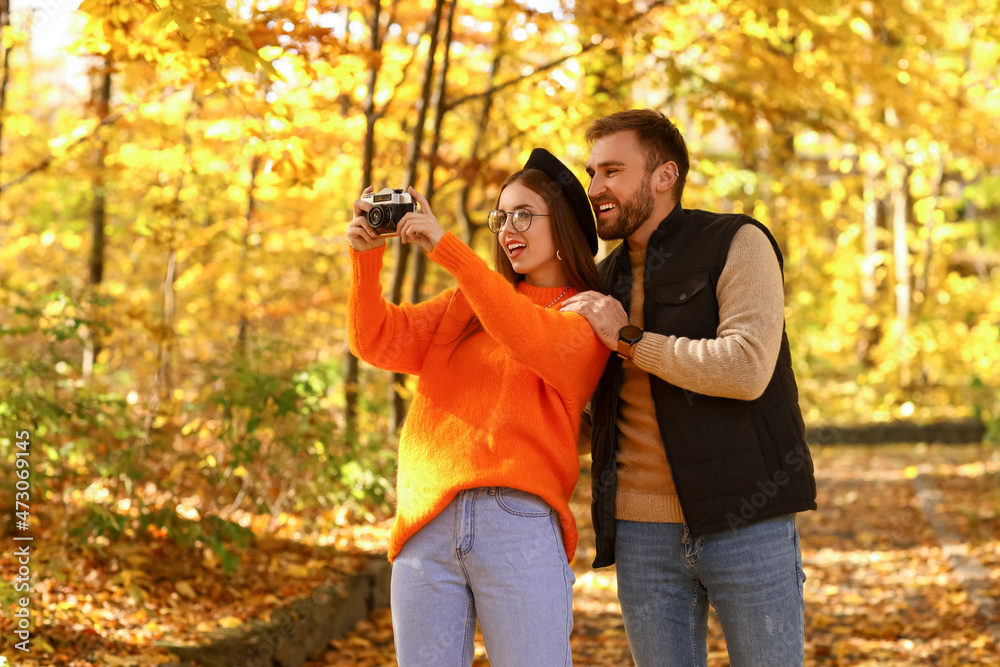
(521, 219)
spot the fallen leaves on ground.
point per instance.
(129, 599)
(881, 589)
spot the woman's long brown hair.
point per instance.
(578, 263)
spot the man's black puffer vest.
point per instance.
(733, 462)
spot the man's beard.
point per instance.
(631, 214)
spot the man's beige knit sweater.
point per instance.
(738, 363)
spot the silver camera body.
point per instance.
(389, 205)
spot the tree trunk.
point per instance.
(423, 103)
(472, 172)
(397, 401)
(169, 295)
(604, 75)
(169, 314)
(420, 261)
(350, 361)
(4, 29)
(868, 336)
(99, 218)
(921, 289)
(870, 237)
(244, 327)
(901, 260)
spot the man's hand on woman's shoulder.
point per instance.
(605, 314)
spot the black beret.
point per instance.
(572, 189)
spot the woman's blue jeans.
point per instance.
(752, 575)
(495, 553)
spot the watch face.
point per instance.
(630, 333)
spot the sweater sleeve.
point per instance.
(739, 361)
(560, 347)
(394, 338)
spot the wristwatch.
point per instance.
(628, 336)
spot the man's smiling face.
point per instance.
(620, 186)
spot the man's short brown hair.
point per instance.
(658, 137)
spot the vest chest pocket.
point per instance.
(686, 308)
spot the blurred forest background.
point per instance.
(176, 181)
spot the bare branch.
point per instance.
(551, 64)
(110, 119)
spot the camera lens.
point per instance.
(379, 217)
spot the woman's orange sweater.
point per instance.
(500, 407)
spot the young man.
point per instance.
(699, 453)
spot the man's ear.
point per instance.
(665, 176)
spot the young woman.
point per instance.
(487, 456)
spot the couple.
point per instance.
(699, 455)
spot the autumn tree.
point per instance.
(174, 270)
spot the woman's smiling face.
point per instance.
(532, 252)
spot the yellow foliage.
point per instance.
(237, 181)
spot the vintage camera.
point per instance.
(389, 205)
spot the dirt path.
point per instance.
(881, 590)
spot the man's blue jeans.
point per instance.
(752, 575)
(496, 553)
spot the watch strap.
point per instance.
(626, 343)
(626, 350)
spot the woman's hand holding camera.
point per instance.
(360, 234)
(421, 228)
